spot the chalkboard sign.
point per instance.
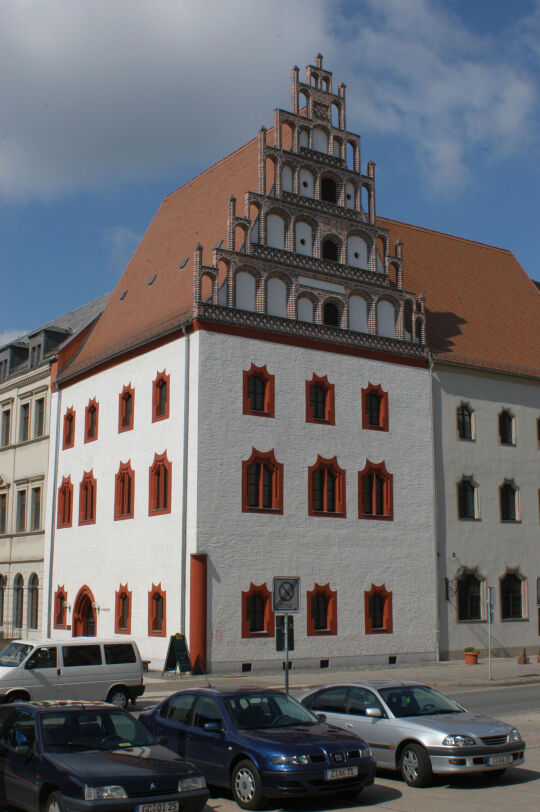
(178, 658)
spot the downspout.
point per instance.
(53, 511)
(183, 566)
(435, 512)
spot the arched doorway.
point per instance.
(84, 614)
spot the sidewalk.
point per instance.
(504, 671)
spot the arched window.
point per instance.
(357, 252)
(508, 495)
(18, 598)
(126, 406)
(320, 401)
(87, 498)
(275, 231)
(307, 183)
(60, 608)
(375, 408)
(378, 610)
(303, 239)
(304, 307)
(321, 610)
(160, 473)
(287, 179)
(469, 593)
(276, 298)
(157, 617)
(124, 492)
(386, 319)
(33, 601)
(91, 421)
(375, 492)
(507, 435)
(358, 314)
(258, 396)
(330, 250)
(69, 429)
(465, 422)
(65, 503)
(257, 614)
(467, 499)
(326, 488)
(160, 396)
(329, 190)
(123, 610)
(245, 291)
(262, 483)
(512, 595)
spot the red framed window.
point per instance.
(87, 498)
(65, 503)
(262, 483)
(321, 610)
(326, 488)
(126, 408)
(375, 492)
(60, 608)
(160, 485)
(378, 610)
(320, 401)
(257, 614)
(91, 415)
(161, 396)
(374, 408)
(122, 614)
(258, 392)
(68, 434)
(157, 611)
(124, 492)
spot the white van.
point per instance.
(81, 668)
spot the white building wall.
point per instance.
(348, 553)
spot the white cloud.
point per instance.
(120, 242)
(7, 336)
(107, 90)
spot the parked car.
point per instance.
(56, 756)
(260, 743)
(81, 668)
(415, 729)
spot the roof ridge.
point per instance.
(445, 234)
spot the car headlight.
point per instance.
(191, 783)
(104, 793)
(290, 760)
(458, 740)
(514, 735)
(365, 752)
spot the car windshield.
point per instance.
(84, 729)
(14, 654)
(264, 710)
(418, 700)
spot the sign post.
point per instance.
(286, 600)
(491, 609)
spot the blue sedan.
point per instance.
(260, 743)
(56, 756)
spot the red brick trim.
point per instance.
(268, 623)
(386, 597)
(126, 416)
(160, 410)
(60, 608)
(269, 391)
(329, 406)
(263, 458)
(68, 431)
(331, 617)
(377, 469)
(122, 593)
(153, 595)
(124, 492)
(91, 411)
(65, 503)
(87, 498)
(159, 489)
(340, 488)
(382, 396)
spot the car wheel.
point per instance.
(17, 696)
(246, 785)
(54, 803)
(118, 697)
(415, 765)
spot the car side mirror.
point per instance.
(31, 664)
(162, 740)
(376, 712)
(213, 727)
(23, 749)
(321, 717)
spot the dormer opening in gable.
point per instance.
(305, 231)
(277, 226)
(351, 195)
(329, 189)
(240, 238)
(320, 139)
(305, 308)
(357, 251)
(419, 332)
(222, 282)
(387, 314)
(332, 312)
(358, 313)
(393, 273)
(314, 80)
(277, 295)
(307, 182)
(270, 175)
(287, 178)
(382, 253)
(303, 137)
(255, 221)
(351, 158)
(365, 207)
(245, 290)
(337, 147)
(408, 320)
(207, 288)
(286, 133)
(305, 104)
(331, 248)
(334, 115)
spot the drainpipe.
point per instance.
(435, 512)
(53, 511)
(183, 564)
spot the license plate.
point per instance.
(158, 806)
(506, 759)
(340, 772)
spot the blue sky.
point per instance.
(109, 105)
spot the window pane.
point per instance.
(469, 597)
(372, 407)
(319, 612)
(36, 509)
(511, 597)
(253, 485)
(39, 417)
(367, 486)
(317, 397)
(6, 425)
(81, 655)
(266, 487)
(376, 611)
(119, 653)
(255, 613)
(24, 424)
(318, 503)
(330, 492)
(256, 389)
(21, 511)
(3, 513)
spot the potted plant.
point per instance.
(471, 655)
(522, 658)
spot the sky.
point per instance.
(107, 106)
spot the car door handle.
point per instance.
(349, 726)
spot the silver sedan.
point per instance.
(415, 729)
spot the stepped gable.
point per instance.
(481, 307)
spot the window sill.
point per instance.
(472, 620)
(121, 516)
(375, 428)
(376, 517)
(274, 511)
(466, 439)
(510, 521)
(378, 631)
(83, 522)
(24, 442)
(259, 414)
(22, 533)
(319, 513)
(514, 620)
(469, 518)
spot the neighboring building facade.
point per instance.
(25, 396)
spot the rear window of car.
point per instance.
(81, 655)
(119, 653)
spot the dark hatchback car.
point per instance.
(57, 756)
(261, 743)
